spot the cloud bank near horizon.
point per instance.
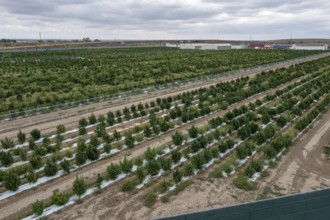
(165, 19)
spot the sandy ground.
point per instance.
(23, 200)
(294, 173)
(47, 123)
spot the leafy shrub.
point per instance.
(150, 199)
(150, 154)
(129, 184)
(126, 165)
(6, 158)
(129, 141)
(50, 168)
(92, 153)
(38, 207)
(65, 165)
(7, 143)
(11, 180)
(81, 158)
(31, 176)
(113, 171)
(35, 161)
(35, 134)
(153, 167)
(60, 198)
(175, 156)
(79, 186)
(242, 182)
(60, 129)
(21, 137)
(177, 138)
(92, 119)
(140, 174)
(188, 169)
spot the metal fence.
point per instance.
(305, 206)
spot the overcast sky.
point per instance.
(164, 19)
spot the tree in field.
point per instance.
(81, 146)
(175, 156)
(127, 114)
(129, 140)
(6, 158)
(153, 167)
(94, 141)
(92, 119)
(140, 174)
(197, 161)
(35, 161)
(92, 153)
(82, 130)
(50, 168)
(177, 138)
(80, 158)
(38, 207)
(60, 129)
(193, 132)
(265, 118)
(65, 165)
(113, 171)
(35, 134)
(11, 180)
(21, 137)
(7, 143)
(110, 119)
(107, 148)
(188, 169)
(281, 121)
(126, 165)
(60, 199)
(101, 119)
(116, 135)
(31, 176)
(147, 131)
(150, 154)
(165, 163)
(99, 181)
(177, 176)
(118, 116)
(83, 122)
(79, 186)
(164, 126)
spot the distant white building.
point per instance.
(201, 46)
(315, 46)
(238, 47)
(171, 45)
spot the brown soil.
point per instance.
(302, 169)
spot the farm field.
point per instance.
(33, 80)
(141, 157)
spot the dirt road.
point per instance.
(296, 172)
(47, 123)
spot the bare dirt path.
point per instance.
(23, 200)
(47, 123)
(294, 173)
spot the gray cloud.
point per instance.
(164, 19)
